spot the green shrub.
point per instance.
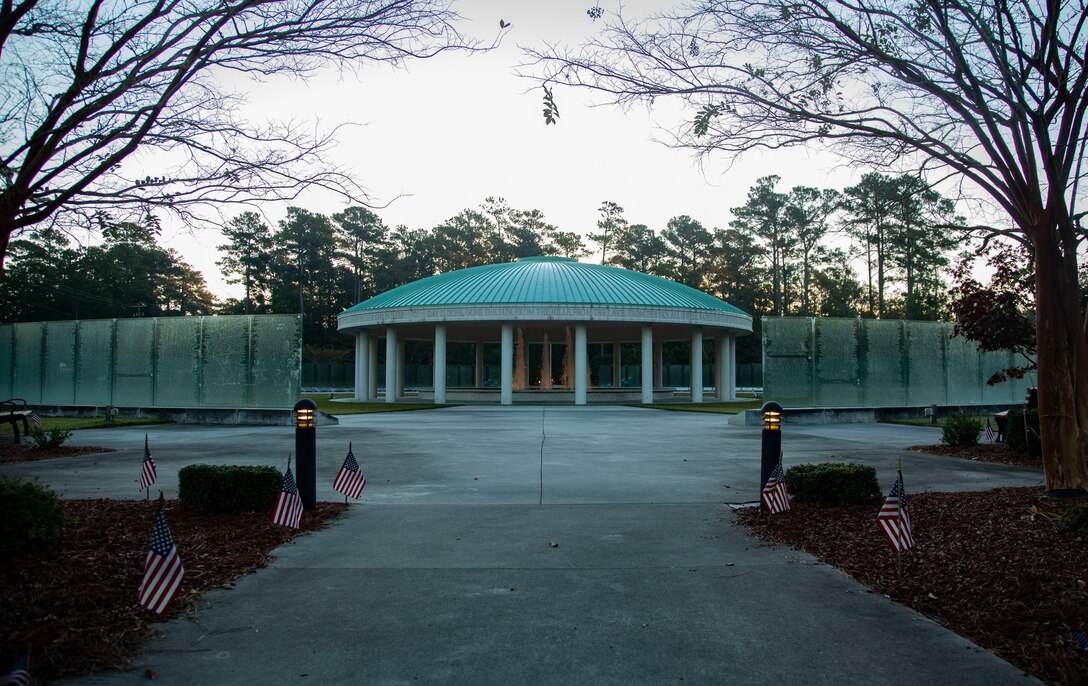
(961, 429)
(1075, 518)
(1015, 435)
(30, 514)
(53, 438)
(833, 482)
(229, 489)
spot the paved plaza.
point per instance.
(445, 572)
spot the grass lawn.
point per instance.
(73, 423)
(336, 408)
(715, 408)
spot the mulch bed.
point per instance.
(73, 606)
(993, 566)
(11, 453)
(984, 452)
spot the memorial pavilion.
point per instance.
(557, 306)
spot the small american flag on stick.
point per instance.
(894, 520)
(288, 505)
(774, 495)
(989, 431)
(163, 571)
(350, 480)
(18, 673)
(147, 473)
(36, 419)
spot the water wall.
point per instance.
(818, 362)
(179, 362)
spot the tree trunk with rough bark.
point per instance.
(1063, 363)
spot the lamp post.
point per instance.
(771, 448)
(306, 452)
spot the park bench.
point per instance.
(14, 410)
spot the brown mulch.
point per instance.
(73, 605)
(993, 566)
(984, 452)
(11, 453)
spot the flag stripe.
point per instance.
(349, 483)
(774, 495)
(350, 479)
(148, 473)
(894, 520)
(163, 571)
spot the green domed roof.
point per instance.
(545, 280)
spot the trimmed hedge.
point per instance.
(833, 482)
(961, 429)
(1017, 438)
(30, 514)
(228, 489)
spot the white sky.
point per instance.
(445, 133)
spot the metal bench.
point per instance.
(14, 410)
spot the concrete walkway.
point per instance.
(445, 572)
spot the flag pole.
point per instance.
(162, 501)
(899, 512)
(346, 495)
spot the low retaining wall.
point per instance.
(861, 415)
(189, 415)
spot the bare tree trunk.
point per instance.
(1063, 364)
(6, 227)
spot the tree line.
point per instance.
(780, 254)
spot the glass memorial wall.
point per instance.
(818, 362)
(231, 361)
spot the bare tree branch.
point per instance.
(85, 84)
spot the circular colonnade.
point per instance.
(558, 303)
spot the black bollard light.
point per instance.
(771, 450)
(306, 452)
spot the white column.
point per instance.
(580, 364)
(439, 365)
(372, 373)
(615, 365)
(479, 370)
(506, 391)
(400, 367)
(731, 366)
(659, 364)
(362, 365)
(721, 365)
(697, 365)
(391, 364)
(647, 363)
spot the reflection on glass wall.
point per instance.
(234, 361)
(816, 362)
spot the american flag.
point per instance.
(1080, 639)
(989, 431)
(894, 520)
(288, 504)
(36, 419)
(18, 674)
(162, 568)
(774, 495)
(148, 473)
(350, 479)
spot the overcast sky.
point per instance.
(437, 136)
